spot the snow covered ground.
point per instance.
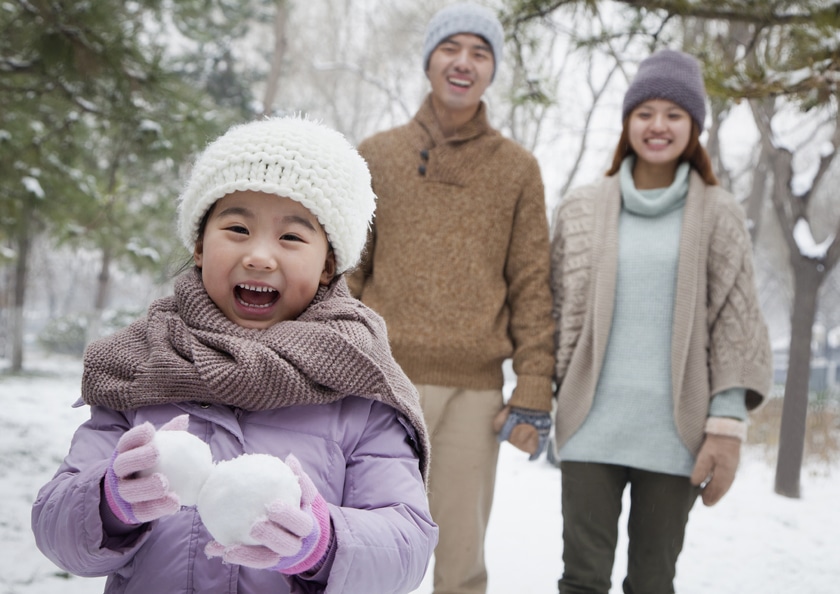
(753, 542)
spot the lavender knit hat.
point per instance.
(464, 17)
(671, 75)
(291, 157)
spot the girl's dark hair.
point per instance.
(189, 263)
(694, 153)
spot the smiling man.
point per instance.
(457, 263)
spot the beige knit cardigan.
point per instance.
(719, 339)
(458, 260)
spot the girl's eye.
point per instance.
(290, 237)
(238, 229)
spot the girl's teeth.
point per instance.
(257, 289)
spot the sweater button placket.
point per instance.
(424, 154)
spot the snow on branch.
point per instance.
(33, 186)
(804, 239)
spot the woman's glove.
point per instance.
(718, 459)
(132, 498)
(291, 540)
(524, 428)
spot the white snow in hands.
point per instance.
(237, 492)
(230, 495)
(186, 462)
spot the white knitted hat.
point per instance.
(291, 157)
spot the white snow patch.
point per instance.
(752, 541)
(33, 186)
(804, 239)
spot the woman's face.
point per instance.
(659, 131)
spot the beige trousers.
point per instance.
(461, 481)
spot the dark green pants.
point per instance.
(659, 505)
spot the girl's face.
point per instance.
(262, 258)
(659, 131)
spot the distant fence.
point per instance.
(824, 379)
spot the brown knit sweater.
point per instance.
(458, 259)
(719, 339)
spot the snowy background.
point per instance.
(752, 542)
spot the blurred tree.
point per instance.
(101, 102)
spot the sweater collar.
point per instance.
(655, 202)
(477, 126)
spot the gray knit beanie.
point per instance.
(671, 75)
(464, 17)
(291, 157)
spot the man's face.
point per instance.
(460, 70)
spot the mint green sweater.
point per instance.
(631, 422)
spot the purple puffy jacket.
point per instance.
(359, 453)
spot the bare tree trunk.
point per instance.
(281, 17)
(719, 111)
(807, 279)
(758, 191)
(5, 312)
(103, 283)
(24, 242)
(809, 271)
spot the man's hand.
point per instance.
(524, 428)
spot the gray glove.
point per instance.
(524, 428)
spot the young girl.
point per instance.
(260, 350)
(662, 347)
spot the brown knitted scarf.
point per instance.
(185, 349)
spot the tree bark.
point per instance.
(103, 284)
(24, 242)
(272, 82)
(807, 280)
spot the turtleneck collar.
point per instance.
(475, 127)
(655, 202)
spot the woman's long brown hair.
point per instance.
(694, 153)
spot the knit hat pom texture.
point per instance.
(291, 157)
(672, 75)
(464, 17)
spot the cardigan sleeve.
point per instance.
(739, 345)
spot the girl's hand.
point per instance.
(134, 499)
(292, 540)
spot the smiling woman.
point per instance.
(661, 406)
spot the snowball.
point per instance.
(185, 461)
(237, 492)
